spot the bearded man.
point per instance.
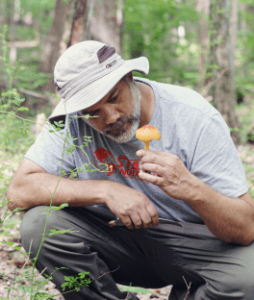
(200, 189)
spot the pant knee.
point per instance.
(240, 286)
(230, 286)
(32, 227)
(36, 222)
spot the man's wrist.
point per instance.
(88, 192)
(102, 192)
(198, 190)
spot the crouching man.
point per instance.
(200, 188)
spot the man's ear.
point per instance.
(130, 75)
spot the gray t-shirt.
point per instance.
(190, 128)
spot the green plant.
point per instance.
(16, 138)
(76, 282)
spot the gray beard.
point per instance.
(134, 119)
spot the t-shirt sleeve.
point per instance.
(49, 151)
(216, 160)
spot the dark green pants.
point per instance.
(150, 258)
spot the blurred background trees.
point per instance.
(206, 45)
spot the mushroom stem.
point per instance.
(147, 145)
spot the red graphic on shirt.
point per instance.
(104, 156)
(128, 168)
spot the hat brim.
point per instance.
(94, 92)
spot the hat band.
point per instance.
(87, 78)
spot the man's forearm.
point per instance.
(42, 188)
(230, 219)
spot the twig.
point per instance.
(128, 292)
(107, 273)
(188, 288)
(23, 44)
(34, 94)
(42, 271)
(9, 293)
(28, 256)
(112, 272)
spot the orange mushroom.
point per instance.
(147, 133)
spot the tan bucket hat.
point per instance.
(86, 72)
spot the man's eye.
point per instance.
(113, 99)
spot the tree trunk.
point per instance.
(107, 22)
(202, 7)
(52, 46)
(68, 25)
(13, 50)
(222, 90)
(77, 30)
(233, 33)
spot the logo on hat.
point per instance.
(105, 52)
(111, 65)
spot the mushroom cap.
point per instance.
(147, 133)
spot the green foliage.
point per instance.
(246, 118)
(245, 49)
(13, 138)
(62, 206)
(249, 171)
(54, 231)
(12, 126)
(42, 12)
(28, 59)
(76, 282)
(14, 74)
(33, 78)
(16, 138)
(134, 289)
(151, 30)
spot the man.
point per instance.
(200, 185)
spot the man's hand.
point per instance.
(173, 177)
(131, 206)
(227, 218)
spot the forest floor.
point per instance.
(15, 267)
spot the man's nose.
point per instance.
(111, 115)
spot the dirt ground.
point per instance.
(13, 264)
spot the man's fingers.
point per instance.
(146, 219)
(127, 222)
(137, 221)
(153, 215)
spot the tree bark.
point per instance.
(13, 49)
(77, 30)
(233, 26)
(233, 33)
(52, 46)
(107, 22)
(68, 25)
(222, 91)
(202, 7)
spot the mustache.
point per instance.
(119, 123)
